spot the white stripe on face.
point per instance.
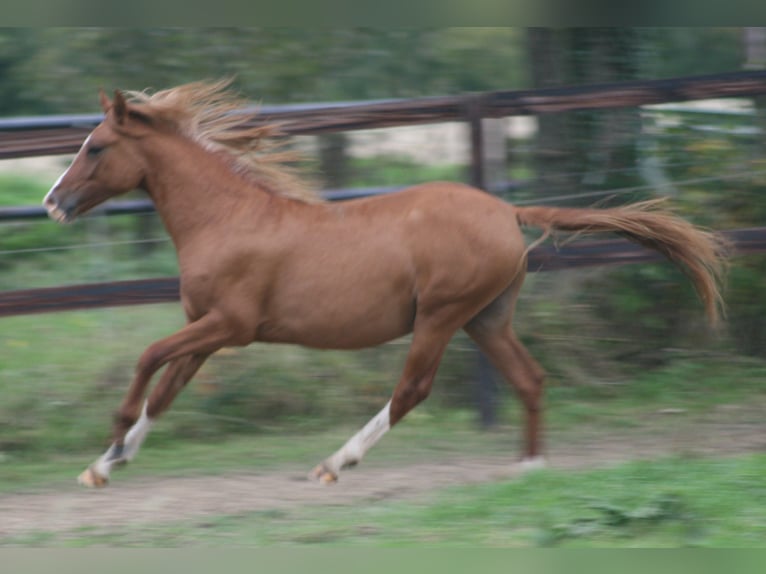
(53, 209)
(58, 181)
(52, 189)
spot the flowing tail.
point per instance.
(701, 254)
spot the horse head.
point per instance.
(109, 162)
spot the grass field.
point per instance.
(673, 502)
(695, 480)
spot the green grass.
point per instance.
(672, 502)
(17, 189)
(430, 434)
(662, 503)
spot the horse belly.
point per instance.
(353, 309)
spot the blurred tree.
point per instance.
(17, 46)
(669, 52)
(640, 311)
(592, 148)
(273, 65)
(277, 65)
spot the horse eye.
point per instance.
(95, 150)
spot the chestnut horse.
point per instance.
(263, 259)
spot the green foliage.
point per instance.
(747, 305)
(276, 65)
(689, 51)
(18, 189)
(653, 305)
(58, 70)
(393, 171)
(17, 47)
(718, 182)
(612, 520)
(591, 326)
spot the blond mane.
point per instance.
(217, 119)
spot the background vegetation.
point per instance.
(591, 326)
(612, 339)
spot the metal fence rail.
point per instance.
(27, 137)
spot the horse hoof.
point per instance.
(91, 479)
(323, 475)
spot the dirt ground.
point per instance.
(156, 500)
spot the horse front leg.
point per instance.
(178, 373)
(185, 350)
(414, 386)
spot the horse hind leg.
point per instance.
(493, 333)
(414, 386)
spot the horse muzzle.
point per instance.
(59, 211)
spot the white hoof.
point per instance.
(323, 475)
(90, 478)
(532, 463)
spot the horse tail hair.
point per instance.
(700, 253)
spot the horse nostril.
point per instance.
(50, 200)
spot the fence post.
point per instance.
(486, 389)
(474, 117)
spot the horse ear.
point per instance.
(105, 103)
(120, 107)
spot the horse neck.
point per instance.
(194, 190)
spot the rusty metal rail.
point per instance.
(26, 137)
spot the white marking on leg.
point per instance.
(358, 445)
(133, 440)
(137, 433)
(58, 181)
